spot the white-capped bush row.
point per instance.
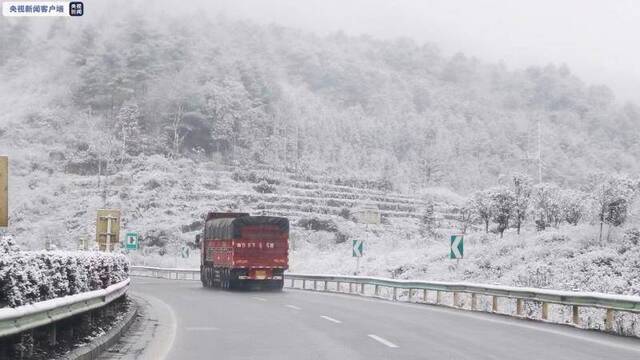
(31, 276)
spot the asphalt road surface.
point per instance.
(192, 322)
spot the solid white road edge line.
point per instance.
(259, 298)
(162, 341)
(293, 307)
(330, 319)
(383, 341)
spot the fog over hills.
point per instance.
(243, 93)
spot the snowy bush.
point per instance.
(345, 213)
(7, 245)
(31, 276)
(317, 224)
(265, 188)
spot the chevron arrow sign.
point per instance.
(456, 249)
(358, 248)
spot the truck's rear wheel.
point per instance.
(203, 277)
(206, 277)
(225, 278)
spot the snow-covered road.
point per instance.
(297, 324)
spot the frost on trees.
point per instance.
(32, 276)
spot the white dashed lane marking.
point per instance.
(383, 341)
(293, 307)
(331, 319)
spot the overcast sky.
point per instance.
(598, 39)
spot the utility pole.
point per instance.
(539, 153)
(530, 158)
(4, 191)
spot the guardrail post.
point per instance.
(108, 310)
(376, 290)
(575, 315)
(395, 293)
(52, 335)
(338, 286)
(315, 285)
(609, 320)
(362, 288)
(350, 288)
(519, 307)
(424, 295)
(494, 304)
(325, 286)
(85, 322)
(545, 311)
(474, 301)
(438, 297)
(455, 299)
(410, 294)
(304, 284)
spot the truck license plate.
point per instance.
(261, 274)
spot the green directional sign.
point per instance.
(184, 251)
(131, 241)
(357, 248)
(456, 247)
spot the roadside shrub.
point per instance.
(265, 188)
(195, 225)
(345, 213)
(341, 237)
(253, 177)
(152, 184)
(632, 236)
(7, 245)
(317, 224)
(334, 203)
(31, 276)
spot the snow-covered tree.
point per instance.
(482, 207)
(572, 205)
(613, 197)
(427, 219)
(127, 119)
(545, 202)
(521, 196)
(502, 204)
(466, 215)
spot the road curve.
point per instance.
(295, 324)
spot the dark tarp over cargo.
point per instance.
(229, 228)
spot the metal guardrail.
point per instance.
(165, 273)
(545, 297)
(610, 303)
(26, 317)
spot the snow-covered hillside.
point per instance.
(167, 121)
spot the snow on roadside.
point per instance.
(31, 276)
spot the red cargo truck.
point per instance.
(238, 249)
